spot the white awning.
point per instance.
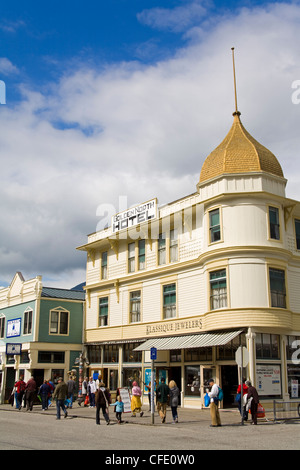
(186, 342)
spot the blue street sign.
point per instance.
(153, 354)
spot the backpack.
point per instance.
(220, 394)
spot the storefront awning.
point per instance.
(186, 342)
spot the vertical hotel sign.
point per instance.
(135, 216)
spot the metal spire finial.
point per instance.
(235, 93)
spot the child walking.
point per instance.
(119, 409)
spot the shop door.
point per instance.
(229, 384)
(10, 382)
(175, 374)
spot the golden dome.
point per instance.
(239, 153)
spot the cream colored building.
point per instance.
(200, 276)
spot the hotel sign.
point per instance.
(134, 216)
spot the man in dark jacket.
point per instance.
(103, 401)
(162, 394)
(252, 393)
(60, 394)
(30, 393)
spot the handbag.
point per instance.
(238, 398)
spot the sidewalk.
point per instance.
(186, 416)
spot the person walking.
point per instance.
(136, 404)
(19, 392)
(30, 393)
(162, 394)
(60, 394)
(45, 391)
(240, 400)
(119, 408)
(174, 400)
(84, 388)
(253, 396)
(102, 401)
(71, 390)
(214, 410)
(91, 391)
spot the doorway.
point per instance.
(229, 383)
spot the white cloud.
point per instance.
(177, 19)
(7, 67)
(140, 131)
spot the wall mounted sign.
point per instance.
(13, 328)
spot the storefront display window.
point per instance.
(267, 346)
(293, 372)
(198, 354)
(111, 353)
(192, 381)
(131, 375)
(129, 355)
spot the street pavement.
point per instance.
(39, 430)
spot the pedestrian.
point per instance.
(91, 391)
(174, 400)
(71, 390)
(162, 394)
(252, 400)
(119, 408)
(60, 394)
(84, 388)
(136, 404)
(240, 401)
(30, 393)
(214, 410)
(102, 401)
(45, 391)
(19, 392)
(51, 385)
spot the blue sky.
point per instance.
(123, 100)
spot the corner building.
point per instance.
(199, 277)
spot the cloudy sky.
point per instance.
(112, 103)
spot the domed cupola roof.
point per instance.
(239, 152)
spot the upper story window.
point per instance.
(131, 257)
(141, 254)
(214, 226)
(162, 249)
(2, 327)
(59, 321)
(173, 246)
(27, 324)
(297, 231)
(169, 301)
(218, 289)
(103, 311)
(274, 223)
(277, 288)
(104, 265)
(135, 306)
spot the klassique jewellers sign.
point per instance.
(134, 216)
(180, 325)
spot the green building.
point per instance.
(41, 331)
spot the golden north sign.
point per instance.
(134, 216)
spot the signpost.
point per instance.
(153, 357)
(242, 360)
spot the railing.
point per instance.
(284, 410)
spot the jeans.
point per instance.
(60, 404)
(44, 397)
(174, 412)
